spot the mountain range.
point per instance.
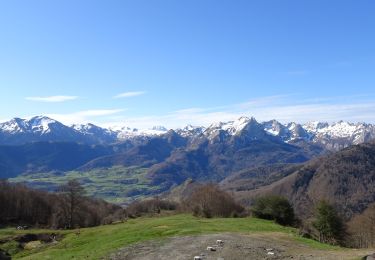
(171, 156)
(249, 158)
(332, 137)
(40, 128)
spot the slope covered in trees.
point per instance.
(345, 179)
(20, 205)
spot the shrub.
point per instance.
(149, 206)
(209, 201)
(275, 208)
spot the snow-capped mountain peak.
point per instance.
(41, 124)
(274, 127)
(231, 127)
(159, 128)
(156, 130)
(340, 129)
(90, 129)
(315, 126)
(126, 132)
(191, 131)
(16, 125)
(239, 124)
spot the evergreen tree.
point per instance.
(328, 223)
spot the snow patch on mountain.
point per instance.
(230, 127)
(16, 125)
(274, 128)
(339, 129)
(125, 132)
(191, 131)
(41, 124)
(314, 126)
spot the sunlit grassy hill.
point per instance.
(100, 242)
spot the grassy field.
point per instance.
(116, 185)
(98, 242)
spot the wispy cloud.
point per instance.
(99, 112)
(130, 94)
(263, 101)
(52, 99)
(190, 110)
(285, 108)
(86, 116)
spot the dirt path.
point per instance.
(236, 247)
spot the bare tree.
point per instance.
(209, 201)
(362, 229)
(73, 192)
(24, 206)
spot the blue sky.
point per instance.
(168, 62)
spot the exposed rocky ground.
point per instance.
(235, 247)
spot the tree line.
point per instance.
(68, 208)
(210, 201)
(362, 228)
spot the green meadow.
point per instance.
(99, 242)
(116, 184)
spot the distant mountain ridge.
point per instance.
(332, 137)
